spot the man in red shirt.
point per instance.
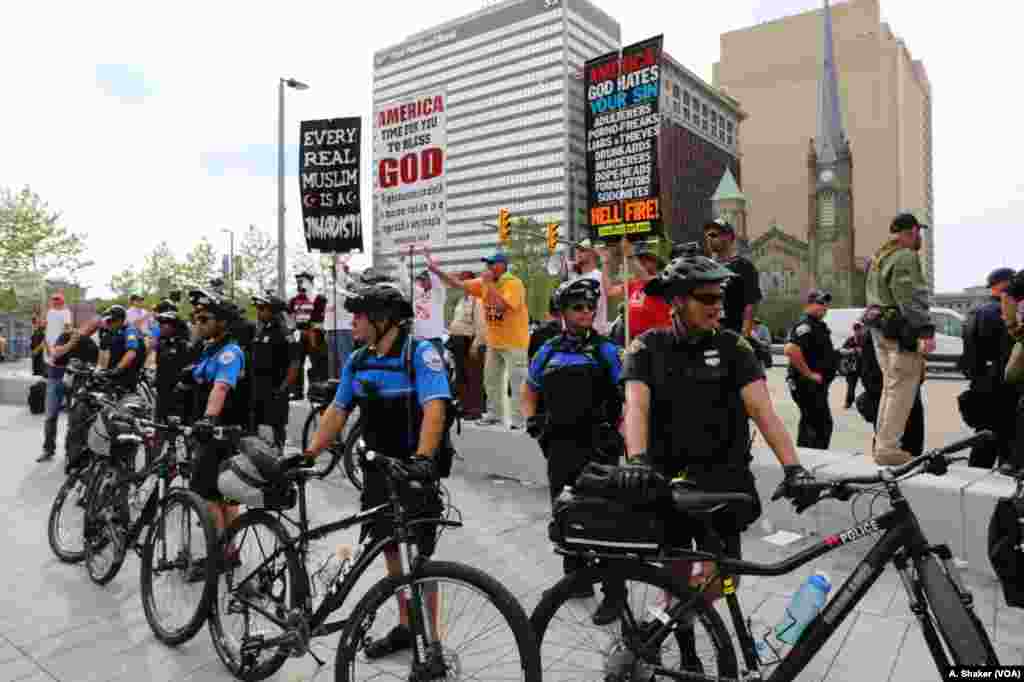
(645, 312)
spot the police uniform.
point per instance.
(223, 363)
(813, 338)
(270, 357)
(174, 353)
(699, 426)
(118, 343)
(986, 350)
(392, 406)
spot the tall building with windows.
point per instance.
(885, 105)
(513, 76)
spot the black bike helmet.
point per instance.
(553, 307)
(379, 297)
(170, 316)
(684, 274)
(269, 299)
(116, 312)
(583, 289)
(220, 307)
(166, 305)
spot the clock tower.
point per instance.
(830, 232)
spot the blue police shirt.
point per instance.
(119, 342)
(382, 387)
(559, 358)
(223, 367)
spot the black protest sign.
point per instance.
(622, 127)
(329, 184)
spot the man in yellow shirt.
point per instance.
(508, 334)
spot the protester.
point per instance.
(645, 312)
(338, 325)
(58, 321)
(467, 331)
(508, 334)
(742, 292)
(136, 315)
(428, 299)
(586, 258)
(867, 403)
(901, 326)
(853, 349)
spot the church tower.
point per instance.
(830, 233)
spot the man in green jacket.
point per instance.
(902, 330)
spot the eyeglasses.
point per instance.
(581, 307)
(202, 319)
(712, 235)
(708, 299)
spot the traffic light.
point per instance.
(552, 237)
(503, 227)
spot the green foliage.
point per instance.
(779, 314)
(258, 262)
(527, 255)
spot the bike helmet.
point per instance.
(553, 306)
(379, 297)
(166, 305)
(170, 316)
(583, 289)
(269, 299)
(116, 312)
(684, 274)
(220, 307)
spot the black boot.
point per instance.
(49, 439)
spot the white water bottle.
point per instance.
(806, 603)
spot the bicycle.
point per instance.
(125, 503)
(272, 585)
(637, 648)
(321, 395)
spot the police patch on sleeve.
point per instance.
(801, 330)
(432, 359)
(227, 357)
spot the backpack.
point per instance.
(37, 397)
(446, 451)
(1006, 547)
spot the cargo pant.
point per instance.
(901, 377)
(500, 361)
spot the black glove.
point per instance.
(794, 487)
(203, 429)
(535, 425)
(641, 480)
(420, 469)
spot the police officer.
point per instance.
(121, 348)
(812, 367)
(216, 374)
(986, 351)
(691, 391)
(546, 330)
(174, 352)
(270, 361)
(577, 375)
(401, 386)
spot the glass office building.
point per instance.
(512, 73)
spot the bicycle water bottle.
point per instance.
(806, 603)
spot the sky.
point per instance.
(147, 122)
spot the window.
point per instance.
(675, 106)
(686, 104)
(675, 91)
(704, 116)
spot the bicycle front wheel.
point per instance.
(636, 645)
(480, 630)
(66, 525)
(353, 469)
(255, 595)
(179, 568)
(959, 631)
(106, 525)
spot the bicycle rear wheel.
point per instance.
(254, 596)
(573, 648)
(481, 630)
(181, 539)
(959, 630)
(66, 525)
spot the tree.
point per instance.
(34, 243)
(125, 283)
(258, 256)
(200, 265)
(527, 255)
(161, 272)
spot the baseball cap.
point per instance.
(57, 297)
(819, 296)
(499, 257)
(585, 245)
(720, 224)
(135, 297)
(999, 275)
(425, 274)
(905, 221)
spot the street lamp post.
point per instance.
(297, 85)
(231, 257)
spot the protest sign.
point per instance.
(329, 184)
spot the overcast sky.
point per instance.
(145, 122)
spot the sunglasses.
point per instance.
(708, 299)
(202, 319)
(712, 235)
(581, 307)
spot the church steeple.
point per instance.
(830, 142)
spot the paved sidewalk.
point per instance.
(56, 625)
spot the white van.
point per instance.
(948, 328)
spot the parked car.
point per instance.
(948, 328)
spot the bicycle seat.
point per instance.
(1015, 472)
(692, 502)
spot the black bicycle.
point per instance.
(321, 395)
(280, 595)
(668, 631)
(182, 539)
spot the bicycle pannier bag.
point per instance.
(254, 478)
(37, 397)
(1005, 548)
(605, 525)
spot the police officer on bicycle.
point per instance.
(270, 360)
(174, 352)
(401, 386)
(813, 362)
(691, 392)
(121, 348)
(216, 374)
(576, 374)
